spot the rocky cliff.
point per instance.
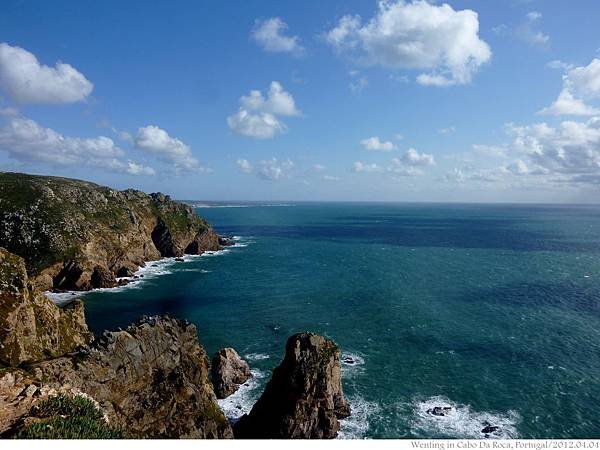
(32, 328)
(151, 379)
(304, 398)
(78, 235)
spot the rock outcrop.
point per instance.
(304, 398)
(78, 235)
(32, 328)
(228, 372)
(151, 379)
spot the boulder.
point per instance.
(228, 372)
(304, 398)
(102, 278)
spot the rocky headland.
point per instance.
(153, 379)
(77, 235)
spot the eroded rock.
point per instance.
(228, 372)
(304, 398)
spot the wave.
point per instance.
(460, 421)
(242, 400)
(150, 270)
(256, 356)
(356, 425)
(352, 364)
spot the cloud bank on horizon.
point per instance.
(351, 107)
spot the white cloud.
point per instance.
(580, 84)
(272, 169)
(157, 141)
(24, 140)
(518, 167)
(528, 31)
(414, 158)
(244, 165)
(399, 167)
(416, 35)
(330, 178)
(375, 144)
(318, 167)
(258, 117)
(270, 35)
(447, 130)
(359, 166)
(24, 79)
(494, 151)
(569, 149)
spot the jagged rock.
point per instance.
(151, 379)
(31, 326)
(66, 229)
(304, 398)
(439, 410)
(102, 278)
(228, 372)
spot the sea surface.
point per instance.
(492, 310)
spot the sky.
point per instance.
(459, 101)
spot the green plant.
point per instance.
(68, 417)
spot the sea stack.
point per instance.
(228, 372)
(304, 398)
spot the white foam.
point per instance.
(256, 356)
(357, 424)
(242, 400)
(352, 364)
(461, 421)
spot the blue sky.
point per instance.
(273, 100)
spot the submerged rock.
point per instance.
(439, 410)
(228, 372)
(304, 398)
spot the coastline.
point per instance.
(150, 270)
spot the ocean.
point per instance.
(493, 310)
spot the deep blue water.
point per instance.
(491, 309)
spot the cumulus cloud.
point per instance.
(415, 35)
(259, 117)
(25, 140)
(157, 141)
(244, 165)
(580, 84)
(273, 169)
(359, 166)
(375, 144)
(25, 80)
(270, 35)
(400, 168)
(414, 158)
(569, 149)
(269, 169)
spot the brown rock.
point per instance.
(151, 379)
(32, 327)
(102, 278)
(304, 398)
(228, 372)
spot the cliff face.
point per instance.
(78, 235)
(304, 398)
(32, 328)
(151, 379)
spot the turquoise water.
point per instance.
(492, 310)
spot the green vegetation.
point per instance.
(68, 417)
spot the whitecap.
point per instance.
(352, 364)
(242, 400)
(357, 424)
(460, 421)
(256, 356)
